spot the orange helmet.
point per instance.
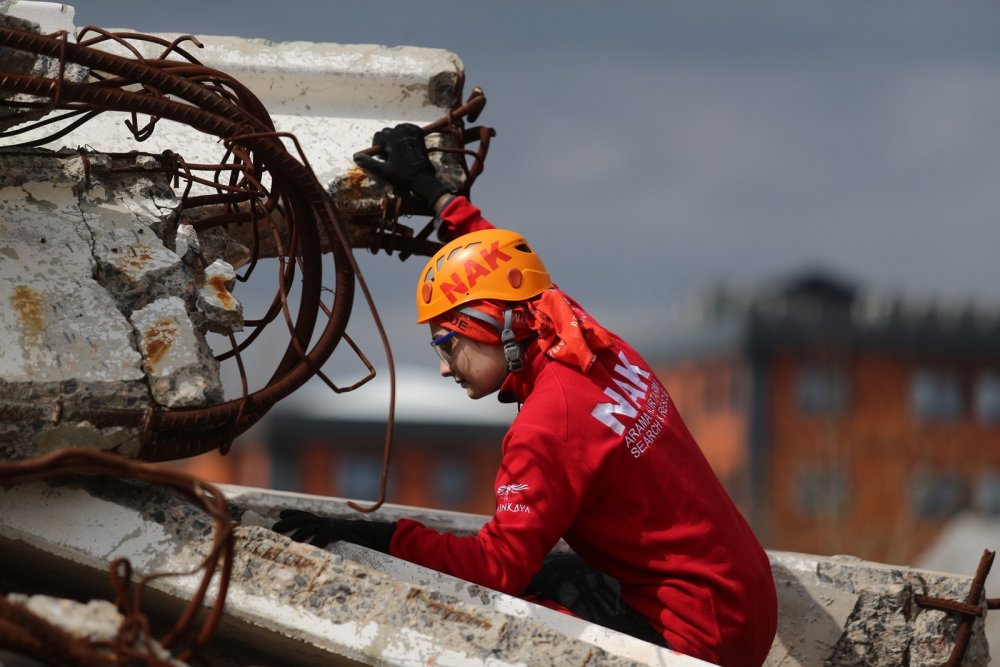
(488, 264)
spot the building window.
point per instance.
(935, 495)
(987, 493)
(722, 389)
(737, 389)
(822, 492)
(988, 397)
(452, 483)
(358, 477)
(936, 395)
(716, 391)
(822, 390)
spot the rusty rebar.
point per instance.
(969, 610)
(28, 634)
(307, 199)
(257, 177)
(186, 636)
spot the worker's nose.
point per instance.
(444, 369)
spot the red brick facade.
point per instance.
(864, 443)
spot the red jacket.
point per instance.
(604, 461)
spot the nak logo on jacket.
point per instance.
(639, 410)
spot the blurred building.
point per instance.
(434, 465)
(842, 422)
(445, 451)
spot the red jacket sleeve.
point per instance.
(538, 496)
(460, 217)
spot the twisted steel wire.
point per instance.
(307, 209)
(29, 634)
(214, 103)
(968, 610)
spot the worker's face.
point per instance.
(479, 367)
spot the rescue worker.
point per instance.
(597, 454)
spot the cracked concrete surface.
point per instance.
(99, 310)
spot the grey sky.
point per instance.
(652, 148)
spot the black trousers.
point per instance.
(591, 595)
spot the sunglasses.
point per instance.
(444, 345)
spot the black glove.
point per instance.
(406, 165)
(320, 531)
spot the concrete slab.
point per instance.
(296, 604)
(59, 312)
(55, 315)
(332, 97)
(97, 311)
(288, 603)
(93, 258)
(832, 610)
(42, 17)
(48, 16)
(958, 549)
(884, 626)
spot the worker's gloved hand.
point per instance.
(320, 531)
(406, 165)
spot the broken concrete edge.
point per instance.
(292, 76)
(306, 78)
(332, 97)
(266, 503)
(818, 570)
(874, 606)
(96, 621)
(281, 591)
(99, 310)
(40, 17)
(48, 16)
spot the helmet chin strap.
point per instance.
(511, 349)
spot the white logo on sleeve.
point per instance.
(504, 491)
(507, 489)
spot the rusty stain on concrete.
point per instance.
(355, 179)
(218, 284)
(29, 306)
(159, 339)
(278, 554)
(446, 612)
(139, 256)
